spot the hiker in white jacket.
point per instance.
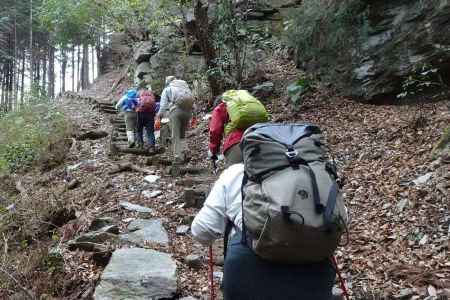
(177, 98)
(246, 275)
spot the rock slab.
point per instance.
(145, 231)
(134, 207)
(137, 273)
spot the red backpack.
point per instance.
(146, 102)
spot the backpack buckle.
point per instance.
(291, 153)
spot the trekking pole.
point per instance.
(211, 274)
(214, 165)
(341, 280)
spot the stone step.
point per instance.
(121, 144)
(143, 231)
(119, 123)
(104, 108)
(105, 104)
(137, 273)
(110, 112)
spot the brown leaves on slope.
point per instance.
(399, 231)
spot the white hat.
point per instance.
(169, 79)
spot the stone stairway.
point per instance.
(138, 257)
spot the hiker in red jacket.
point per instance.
(146, 110)
(231, 150)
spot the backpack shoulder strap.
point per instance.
(229, 225)
(226, 236)
(246, 237)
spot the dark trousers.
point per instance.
(248, 277)
(147, 121)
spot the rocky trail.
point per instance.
(125, 230)
(140, 219)
(397, 194)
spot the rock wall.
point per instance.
(165, 54)
(368, 50)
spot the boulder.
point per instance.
(151, 194)
(423, 179)
(134, 207)
(182, 229)
(171, 60)
(263, 90)
(119, 47)
(151, 178)
(92, 135)
(369, 54)
(99, 223)
(143, 52)
(196, 196)
(137, 273)
(142, 70)
(55, 258)
(194, 261)
(143, 232)
(93, 241)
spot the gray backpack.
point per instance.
(182, 94)
(293, 211)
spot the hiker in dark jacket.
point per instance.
(146, 110)
(246, 275)
(128, 104)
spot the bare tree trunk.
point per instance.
(2, 109)
(85, 67)
(37, 71)
(2, 89)
(22, 83)
(98, 51)
(15, 66)
(44, 68)
(31, 42)
(51, 71)
(10, 77)
(73, 68)
(203, 32)
(63, 69)
(9, 83)
(78, 69)
(93, 63)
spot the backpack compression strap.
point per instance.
(331, 204)
(315, 189)
(246, 236)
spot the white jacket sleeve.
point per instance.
(165, 101)
(119, 103)
(209, 224)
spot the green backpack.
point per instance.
(243, 109)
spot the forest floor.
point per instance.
(399, 232)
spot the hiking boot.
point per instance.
(178, 161)
(151, 149)
(140, 146)
(131, 145)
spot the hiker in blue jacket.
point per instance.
(128, 104)
(246, 275)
